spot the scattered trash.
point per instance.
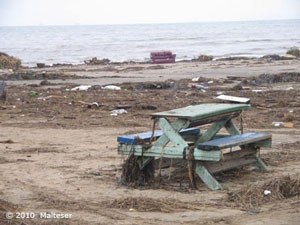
(204, 58)
(118, 112)
(257, 91)
(195, 79)
(162, 57)
(290, 88)
(9, 141)
(220, 92)
(50, 96)
(233, 99)
(40, 65)
(267, 192)
(34, 93)
(288, 125)
(210, 82)
(95, 61)
(93, 105)
(277, 124)
(45, 82)
(198, 86)
(111, 87)
(81, 88)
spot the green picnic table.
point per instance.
(212, 152)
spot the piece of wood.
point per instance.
(260, 164)
(215, 167)
(212, 131)
(231, 128)
(203, 111)
(145, 136)
(214, 119)
(171, 133)
(207, 178)
(233, 99)
(169, 152)
(232, 141)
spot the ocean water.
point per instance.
(74, 44)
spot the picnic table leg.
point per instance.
(212, 131)
(260, 164)
(207, 178)
(170, 134)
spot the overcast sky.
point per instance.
(70, 12)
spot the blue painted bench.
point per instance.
(132, 138)
(234, 140)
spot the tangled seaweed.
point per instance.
(253, 195)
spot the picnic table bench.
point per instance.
(212, 152)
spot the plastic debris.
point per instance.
(81, 88)
(210, 82)
(233, 99)
(118, 112)
(112, 87)
(257, 91)
(290, 88)
(277, 124)
(267, 192)
(34, 93)
(195, 79)
(288, 125)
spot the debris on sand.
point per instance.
(81, 88)
(266, 78)
(141, 204)
(204, 58)
(253, 195)
(118, 112)
(233, 99)
(9, 141)
(9, 62)
(132, 175)
(36, 75)
(294, 51)
(95, 61)
(111, 87)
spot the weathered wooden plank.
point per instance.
(233, 99)
(214, 167)
(177, 125)
(171, 133)
(260, 164)
(231, 128)
(207, 178)
(232, 141)
(169, 152)
(199, 112)
(212, 131)
(214, 119)
(145, 136)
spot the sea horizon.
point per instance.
(124, 42)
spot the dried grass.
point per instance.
(153, 205)
(132, 175)
(253, 195)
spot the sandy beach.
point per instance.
(58, 154)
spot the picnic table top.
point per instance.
(202, 111)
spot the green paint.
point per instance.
(199, 112)
(207, 178)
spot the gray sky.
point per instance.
(70, 12)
